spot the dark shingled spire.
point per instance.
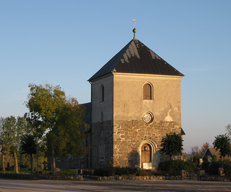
(135, 57)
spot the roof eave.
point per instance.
(100, 77)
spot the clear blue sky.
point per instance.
(65, 42)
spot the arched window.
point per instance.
(147, 91)
(102, 93)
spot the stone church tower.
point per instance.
(135, 101)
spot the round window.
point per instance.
(148, 117)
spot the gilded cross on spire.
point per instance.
(134, 30)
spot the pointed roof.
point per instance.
(135, 57)
(212, 151)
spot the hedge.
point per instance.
(173, 167)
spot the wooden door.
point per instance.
(145, 154)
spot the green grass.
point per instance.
(45, 172)
(14, 171)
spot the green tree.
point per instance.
(14, 153)
(222, 143)
(3, 141)
(28, 146)
(228, 129)
(8, 133)
(58, 118)
(172, 145)
(11, 131)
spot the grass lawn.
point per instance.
(62, 171)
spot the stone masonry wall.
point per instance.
(130, 135)
(102, 144)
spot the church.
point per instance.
(135, 102)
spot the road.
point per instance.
(10, 185)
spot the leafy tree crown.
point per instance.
(172, 144)
(222, 143)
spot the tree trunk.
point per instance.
(37, 156)
(53, 161)
(32, 164)
(171, 157)
(3, 166)
(3, 160)
(15, 163)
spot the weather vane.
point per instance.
(134, 20)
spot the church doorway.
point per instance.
(146, 156)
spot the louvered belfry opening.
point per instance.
(147, 91)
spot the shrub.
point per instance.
(111, 171)
(125, 171)
(214, 158)
(142, 173)
(156, 173)
(173, 167)
(106, 171)
(46, 172)
(226, 164)
(133, 171)
(29, 169)
(189, 166)
(159, 172)
(9, 168)
(122, 171)
(99, 172)
(227, 167)
(67, 172)
(205, 166)
(214, 167)
(24, 169)
(88, 172)
(196, 160)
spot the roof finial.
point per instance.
(134, 30)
